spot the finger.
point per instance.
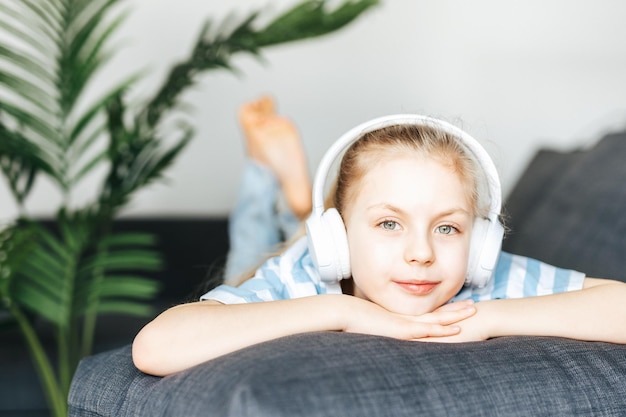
(447, 317)
(440, 339)
(425, 331)
(457, 305)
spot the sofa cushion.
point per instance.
(333, 373)
(568, 209)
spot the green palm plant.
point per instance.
(50, 51)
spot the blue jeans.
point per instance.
(259, 223)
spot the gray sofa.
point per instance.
(567, 209)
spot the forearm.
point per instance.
(189, 334)
(594, 314)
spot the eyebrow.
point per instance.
(444, 213)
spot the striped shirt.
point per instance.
(293, 275)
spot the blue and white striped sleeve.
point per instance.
(518, 276)
(290, 275)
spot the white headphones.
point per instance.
(328, 243)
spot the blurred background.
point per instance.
(518, 76)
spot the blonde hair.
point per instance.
(396, 140)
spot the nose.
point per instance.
(419, 249)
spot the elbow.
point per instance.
(145, 352)
(170, 343)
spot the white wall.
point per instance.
(517, 75)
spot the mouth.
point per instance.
(417, 287)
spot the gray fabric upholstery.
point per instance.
(568, 209)
(338, 374)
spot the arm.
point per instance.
(595, 313)
(189, 334)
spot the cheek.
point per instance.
(455, 260)
(368, 256)
(360, 254)
(361, 251)
(458, 252)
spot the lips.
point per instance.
(417, 287)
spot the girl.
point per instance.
(416, 205)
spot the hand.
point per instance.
(472, 329)
(369, 318)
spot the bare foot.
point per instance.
(273, 140)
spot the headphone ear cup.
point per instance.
(485, 248)
(328, 245)
(337, 230)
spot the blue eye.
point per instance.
(447, 230)
(389, 225)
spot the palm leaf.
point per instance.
(21, 245)
(128, 286)
(137, 156)
(84, 54)
(20, 160)
(11, 16)
(116, 256)
(17, 245)
(125, 260)
(45, 279)
(30, 92)
(35, 66)
(122, 294)
(31, 123)
(87, 167)
(152, 161)
(51, 80)
(44, 285)
(40, 302)
(98, 106)
(43, 16)
(28, 111)
(130, 239)
(310, 19)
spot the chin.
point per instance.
(418, 305)
(411, 309)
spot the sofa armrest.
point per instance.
(329, 373)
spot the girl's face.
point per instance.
(409, 230)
